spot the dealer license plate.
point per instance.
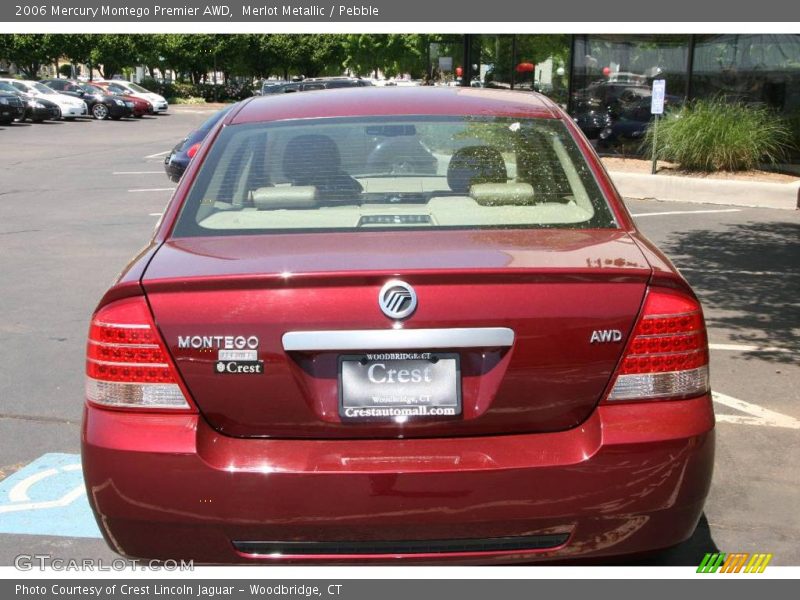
(392, 385)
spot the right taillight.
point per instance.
(193, 150)
(127, 364)
(667, 356)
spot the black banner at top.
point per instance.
(463, 11)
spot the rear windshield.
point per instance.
(389, 173)
(137, 88)
(92, 89)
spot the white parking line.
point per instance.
(748, 348)
(686, 212)
(737, 272)
(136, 172)
(155, 214)
(158, 154)
(758, 415)
(170, 189)
(65, 500)
(19, 493)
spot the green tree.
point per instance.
(260, 58)
(318, 55)
(188, 54)
(75, 47)
(299, 54)
(283, 50)
(31, 51)
(111, 53)
(228, 54)
(366, 54)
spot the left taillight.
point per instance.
(127, 363)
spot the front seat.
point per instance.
(314, 160)
(475, 164)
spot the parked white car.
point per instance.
(70, 106)
(134, 89)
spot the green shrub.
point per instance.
(224, 93)
(189, 100)
(716, 135)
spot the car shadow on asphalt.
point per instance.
(688, 554)
(749, 274)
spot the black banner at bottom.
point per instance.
(387, 589)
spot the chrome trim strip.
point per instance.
(398, 339)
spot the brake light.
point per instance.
(667, 356)
(127, 364)
(193, 150)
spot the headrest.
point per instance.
(499, 194)
(285, 196)
(310, 157)
(475, 164)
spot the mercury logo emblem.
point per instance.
(397, 299)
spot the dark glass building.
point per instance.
(604, 81)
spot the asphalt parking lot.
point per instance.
(77, 200)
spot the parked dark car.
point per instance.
(35, 109)
(627, 123)
(12, 107)
(139, 106)
(101, 104)
(591, 117)
(316, 83)
(270, 86)
(176, 161)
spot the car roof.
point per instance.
(374, 101)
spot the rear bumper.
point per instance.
(175, 164)
(117, 111)
(10, 112)
(69, 112)
(630, 479)
(37, 114)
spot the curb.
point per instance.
(196, 108)
(671, 188)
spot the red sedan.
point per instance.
(138, 106)
(326, 357)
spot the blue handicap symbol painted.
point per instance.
(47, 497)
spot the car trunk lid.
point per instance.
(568, 297)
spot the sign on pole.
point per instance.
(657, 109)
(657, 99)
